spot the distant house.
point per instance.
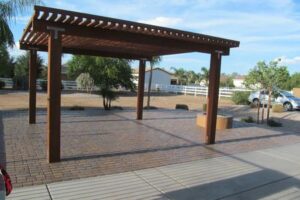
(238, 81)
(159, 77)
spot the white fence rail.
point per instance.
(197, 90)
(8, 82)
(178, 89)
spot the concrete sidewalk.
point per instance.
(264, 174)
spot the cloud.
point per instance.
(162, 21)
(288, 61)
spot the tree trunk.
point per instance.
(149, 86)
(269, 103)
(258, 109)
(263, 113)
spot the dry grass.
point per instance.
(19, 100)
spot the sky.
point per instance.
(267, 30)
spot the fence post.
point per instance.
(185, 90)
(195, 91)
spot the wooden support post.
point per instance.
(212, 100)
(140, 94)
(32, 86)
(54, 92)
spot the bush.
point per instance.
(248, 120)
(76, 108)
(150, 108)
(204, 107)
(273, 123)
(182, 106)
(2, 84)
(240, 98)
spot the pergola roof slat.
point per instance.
(100, 28)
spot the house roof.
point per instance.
(136, 70)
(88, 34)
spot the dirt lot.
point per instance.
(19, 100)
(15, 100)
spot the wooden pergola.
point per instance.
(59, 31)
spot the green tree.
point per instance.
(6, 63)
(155, 60)
(228, 82)
(180, 73)
(108, 74)
(192, 77)
(204, 76)
(293, 82)
(267, 76)
(9, 9)
(85, 81)
(21, 70)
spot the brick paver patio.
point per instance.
(95, 142)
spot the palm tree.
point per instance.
(155, 60)
(180, 74)
(204, 75)
(191, 77)
(9, 9)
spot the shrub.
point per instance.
(182, 106)
(85, 81)
(76, 108)
(204, 107)
(277, 108)
(240, 98)
(2, 84)
(150, 108)
(248, 120)
(273, 123)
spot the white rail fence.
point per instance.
(177, 89)
(67, 85)
(197, 90)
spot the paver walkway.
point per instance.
(95, 142)
(265, 174)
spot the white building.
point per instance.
(238, 82)
(159, 77)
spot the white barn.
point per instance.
(159, 77)
(239, 82)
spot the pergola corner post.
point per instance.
(54, 94)
(140, 92)
(213, 96)
(32, 85)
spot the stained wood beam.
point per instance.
(32, 86)
(89, 52)
(54, 96)
(115, 35)
(140, 93)
(213, 96)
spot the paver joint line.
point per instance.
(174, 179)
(48, 192)
(153, 186)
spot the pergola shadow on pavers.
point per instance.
(60, 31)
(95, 145)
